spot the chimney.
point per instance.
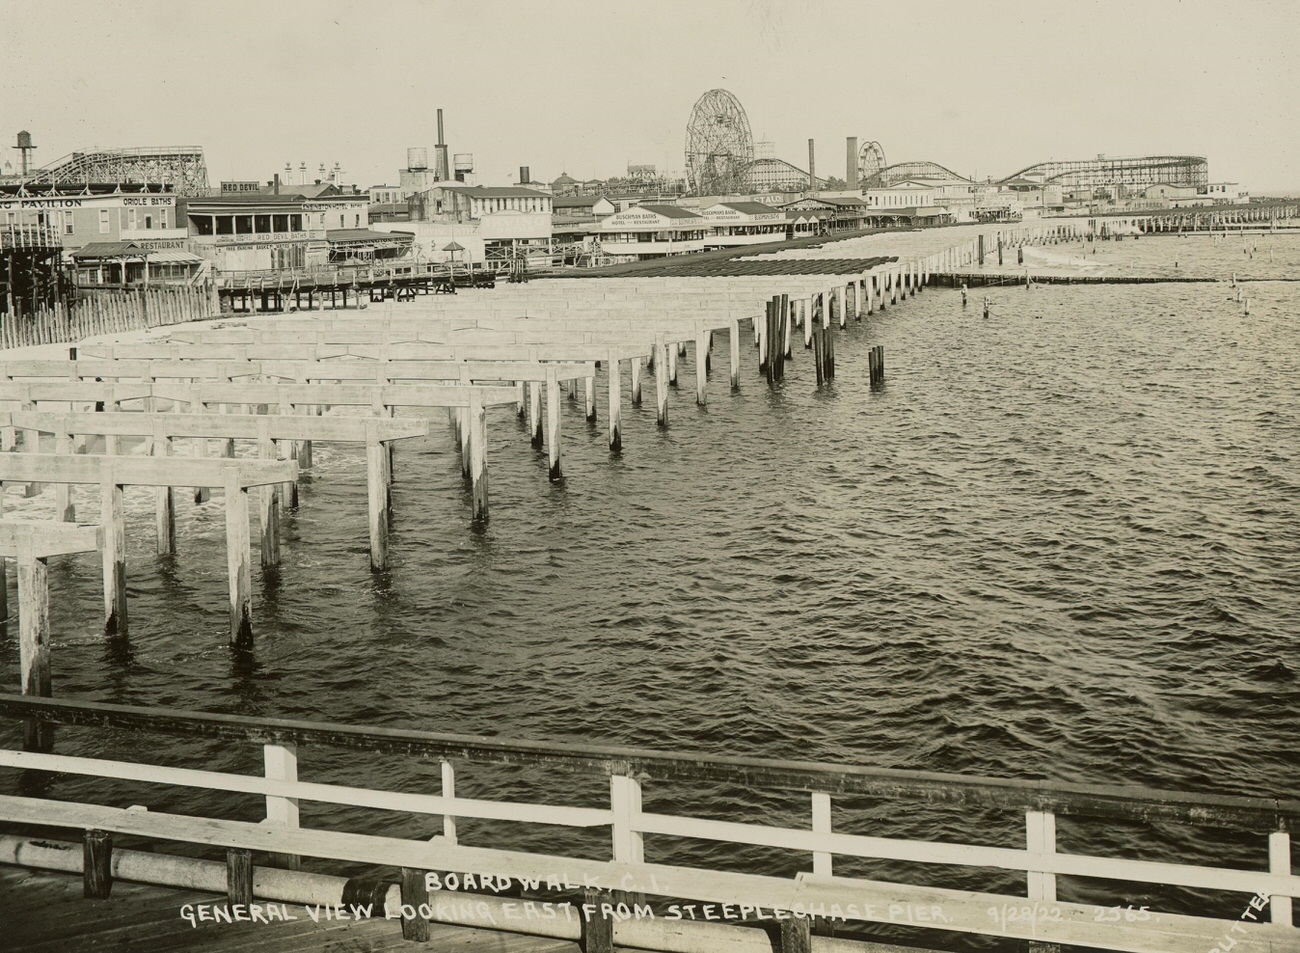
(851, 163)
(812, 169)
(524, 178)
(277, 184)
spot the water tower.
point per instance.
(25, 147)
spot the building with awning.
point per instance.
(733, 224)
(364, 244)
(837, 212)
(651, 231)
(129, 264)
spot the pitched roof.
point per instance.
(749, 208)
(344, 235)
(493, 191)
(108, 250)
(668, 211)
(575, 201)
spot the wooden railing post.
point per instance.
(1040, 836)
(625, 801)
(597, 925)
(280, 763)
(414, 895)
(239, 876)
(449, 790)
(1279, 862)
(97, 864)
(821, 824)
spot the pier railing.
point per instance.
(1036, 916)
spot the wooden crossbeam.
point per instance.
(356, 395)
(45, 538)
(219, 426)
(31, 545)
(113, 473)
(143, 471)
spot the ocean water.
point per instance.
(1063, 542)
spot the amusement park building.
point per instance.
(652, 231)
(732, 224)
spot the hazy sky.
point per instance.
(982, 86)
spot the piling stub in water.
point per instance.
(553, 424)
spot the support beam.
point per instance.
(113, 519)
(661, 382)
(637, 363)
(733, 335)
(477, 420)
(535, 412)
(239, 572)
(164, 496)
(702, 368)
(34, 641)
(377, 496)
(553, 423)
(615, 409)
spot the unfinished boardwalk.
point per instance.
(44, 912)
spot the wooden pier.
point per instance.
(628, 899)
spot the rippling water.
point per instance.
(1062, 543)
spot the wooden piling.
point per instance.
(269, 500)
(733, 333)
(818, 344)
(702, 368)
(661, 382)
(597, 934)
(113, 518)
(590, 392)
(97, 865)
(164, 497)
(636, 381)
(670, 352)
(615, 410)
(238, 569)
(477, 419)
(413, 894)
(535, 412)
(377, 496)
(34, 642)
(239, 876)
(553, 424)
(64, 509)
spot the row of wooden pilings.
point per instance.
(108, 312)
(210, 370)
(1221, 219)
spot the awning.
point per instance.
(169, 255)
(110, 250)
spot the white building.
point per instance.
(910, 193)
(732, 224)
(652, 231)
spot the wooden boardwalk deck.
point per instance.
(42, 912)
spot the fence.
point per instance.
(1037, 916)
(107, 313)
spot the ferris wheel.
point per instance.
(719, 145)
(871, 162)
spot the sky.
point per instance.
(983, 87)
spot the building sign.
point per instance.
(160, 243)
(227, 187)
(138, 200)
(11, 203)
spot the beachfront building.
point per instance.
(589, 207)
(837, 213)
(258, 231)
(652, 231)
(113, 235)
(734, 224)
(477, 225)
(109, 212)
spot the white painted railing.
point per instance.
(1120, 927)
